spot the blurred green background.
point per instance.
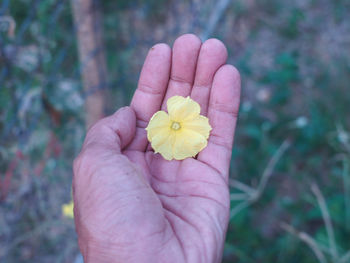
(290, 168)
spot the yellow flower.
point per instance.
(180, 134)
(67, 209)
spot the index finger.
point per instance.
(150, 91)
(222, 114)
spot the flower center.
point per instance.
(175, 126)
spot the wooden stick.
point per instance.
(91, 55)
(217, 13)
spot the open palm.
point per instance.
(131, 205)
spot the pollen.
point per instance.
(175, 126)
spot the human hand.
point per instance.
(131, 205)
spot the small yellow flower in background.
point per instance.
(67, 209)
(180, 134)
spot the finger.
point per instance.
(114, 132)
(222, 114)
(150, 92)
(184, 59)
(212, 56)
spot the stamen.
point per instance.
(175, 126)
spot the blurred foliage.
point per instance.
(295, 66)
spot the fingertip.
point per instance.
(157, 56)
(189, 39)
(126, 119)
(212, 55)
(126, 110)
(121, 123)
(215, 47)
(230, 74)
(184, 58)
(128, 113)
(226, 89)
(160, 49)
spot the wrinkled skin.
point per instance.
(131, 205)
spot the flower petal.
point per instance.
(163, 143)
(187, 144)
(158, 121)
(200, 125)
(67, 209)
(190, 136)
(181, 109)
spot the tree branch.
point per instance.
(91, 54)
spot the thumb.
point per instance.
(113, 132)
(113, 203)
